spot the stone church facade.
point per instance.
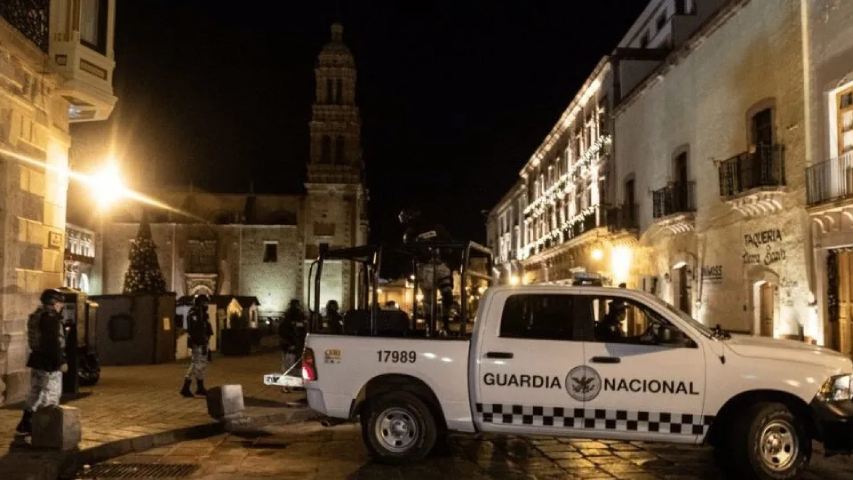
(263, 245)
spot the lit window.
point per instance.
(93, 24)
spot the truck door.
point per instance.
(651, 381)
(523, 354)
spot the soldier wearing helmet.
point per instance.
(199, 332)
(435, 272)
(47, 356)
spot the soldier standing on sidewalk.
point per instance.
(199, 332)
(47, 358)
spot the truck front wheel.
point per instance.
(398, 428)
(769, 442)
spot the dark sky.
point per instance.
(454, 95)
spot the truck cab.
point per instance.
(590, 362)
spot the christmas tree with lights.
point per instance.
(143, 275)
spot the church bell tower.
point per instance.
(335, 208)
(335, 124)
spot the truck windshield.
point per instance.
(704, 330)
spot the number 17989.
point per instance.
(394, 356)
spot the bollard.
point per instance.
(225, 402)
(56, 427)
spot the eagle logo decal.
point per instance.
(583, 383)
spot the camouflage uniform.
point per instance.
(198, 362)
(200, 331)
(45, 389)
(47, 342)
(46, 339)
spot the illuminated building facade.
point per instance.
(829, 176)
(56, 66)
(563, 216)
(731, 131)
(714, 146)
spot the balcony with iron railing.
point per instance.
(78, 40)
(762, 169)
(677, 197)
(623, 217)
(830, 180)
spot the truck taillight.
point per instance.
(309, 367)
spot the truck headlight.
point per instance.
(837, 388)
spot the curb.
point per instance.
(72, 461)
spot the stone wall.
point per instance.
(33, 133)
(239, 268)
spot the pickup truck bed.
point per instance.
(442, 365)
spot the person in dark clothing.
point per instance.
(291, 334)
(435, 272)
(609, 329)
(334, 319)
(199, 332)
(47, 357)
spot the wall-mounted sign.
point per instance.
(766, 242)
(712, 273)
(762, 238)
(54, 240)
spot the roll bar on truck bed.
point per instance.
(467, 255)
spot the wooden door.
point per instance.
(845, 121)
(766, 308)
(684, 291)
(762, 128)
(844, 342)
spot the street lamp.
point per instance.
(597, 254)
(106, 186)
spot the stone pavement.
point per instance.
(310, 451)
(138, 402)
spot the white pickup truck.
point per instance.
(589, 362)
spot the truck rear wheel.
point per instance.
(398, 428)
(769, 442)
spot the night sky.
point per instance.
(454, 95)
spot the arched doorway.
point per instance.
(681, 276)
(764, 300)
(765, 307)
(681, 288)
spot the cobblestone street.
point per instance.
(311, 451)
(132, 402)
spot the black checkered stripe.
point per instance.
(595, 419)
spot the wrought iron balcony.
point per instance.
(30, 17)
(830, 180)
(624, 217)
(765, 167)
(677, 197)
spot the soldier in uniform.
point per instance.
(47, 357)
(199, 332)
(434, 272)
(291, 327)
(334, 323)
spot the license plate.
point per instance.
(280, 380)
